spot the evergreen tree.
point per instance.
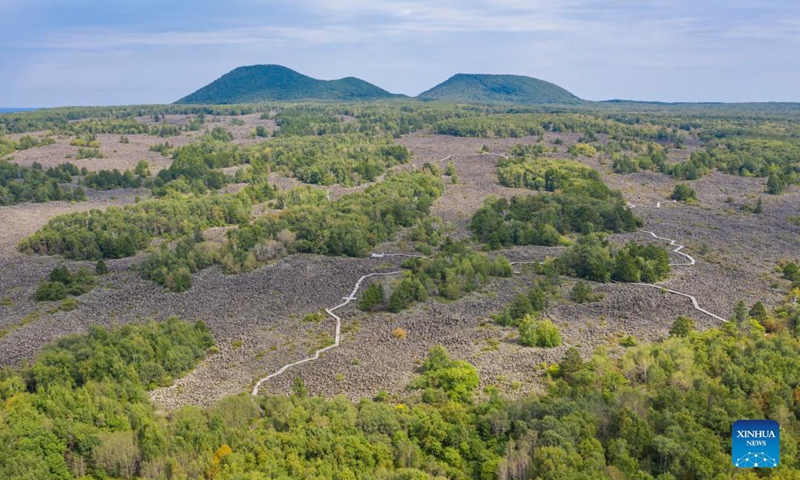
(758, 312)
(625, 268)
(571, 364)
(682, 327)
(740, 314)
(100, 267)
(775, 184)
(372, 298)
(759, 208)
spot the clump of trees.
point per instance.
(121, 232)
(746, 154)
(352, 224)
(326, 160)
(172, 268)
(582, 150)
(791, 271)
(698, 165)
(109, 179)
(84, 153)
(546, 219)
(82, 409)
(62, 283)
(455, 271)
(776, 184)
(497, 126)
(25, 142)
(88, 140)
(682, 327)
(219, 134)
(545, 174)
(593, 258)
(427, 233)
(21, 184)
(163, 148)
(530, 303)
(310, 120)
(349, 226)
(631, 156)
(443, 378)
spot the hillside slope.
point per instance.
(470, 88)
(265, 83)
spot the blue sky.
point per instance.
(101, 52)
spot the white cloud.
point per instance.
(101, 39)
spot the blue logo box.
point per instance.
(756, 444)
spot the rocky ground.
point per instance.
(257, 317)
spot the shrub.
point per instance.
(315, 317)
(582, 149)
(791, 272)
(684, 193)
(84, 153)
(539, 333)
(399, 333)
(50, 291)
(582, 292)
(68, 305)
(775, 184)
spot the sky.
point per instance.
(120, 52)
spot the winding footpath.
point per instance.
(338, 334)
(347, 300)
(352, 296)
(691, 261)
(677, 250)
